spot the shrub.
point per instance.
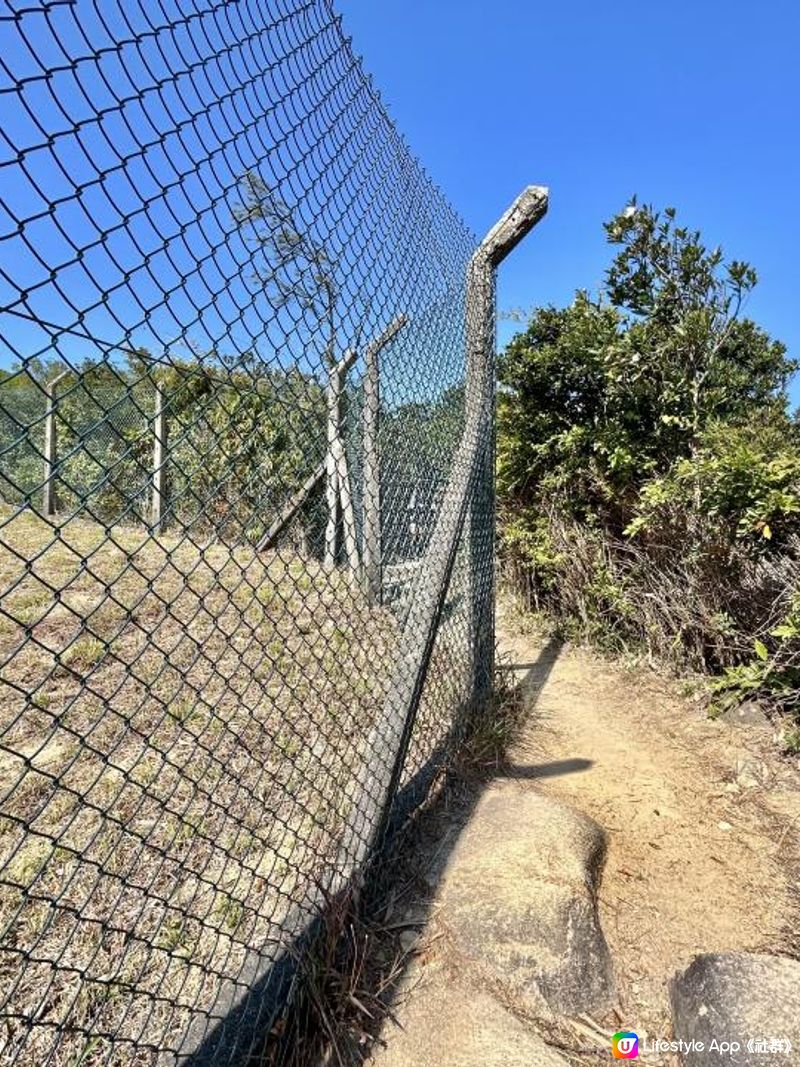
(648, 469)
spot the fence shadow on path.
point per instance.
(402, 894)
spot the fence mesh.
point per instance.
(232, 392)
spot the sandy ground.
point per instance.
(702, 822)
(702, 817)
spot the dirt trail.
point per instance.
(701, 822)
(703, 819)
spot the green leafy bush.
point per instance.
(649, 471)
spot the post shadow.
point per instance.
(239, 1037)
(425, 842)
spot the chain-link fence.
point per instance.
(245, 505)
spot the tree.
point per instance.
(647, 464)
(296, 270)
(601, 395)
(684, 301)
(298, 273)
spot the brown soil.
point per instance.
(703, 818)
(703, 832)
(178, 723)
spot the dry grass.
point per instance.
(178, 724)
(354, 975)
(347, 984)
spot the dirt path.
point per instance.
(534, 950)
(703, 819)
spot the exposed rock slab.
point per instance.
(738, 997)
(749, 713)
(519, 895)
(445, 1025)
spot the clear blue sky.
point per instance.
(695, 104)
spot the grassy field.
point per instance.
(178, 723)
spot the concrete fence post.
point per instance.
(480, 399)
(339, 455)
(159, 460)
(388, 740)
(49, 495)
(372, 488)
(331, 468)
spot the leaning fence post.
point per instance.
(159, 459)
(388, 739)
(481, 341)
(372, 489)
(49, 498)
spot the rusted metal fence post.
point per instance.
(49, 496)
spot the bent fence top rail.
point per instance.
(246, 509)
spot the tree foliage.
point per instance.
(603, 394)
(645, 450)
(239, 442)
(293, 269)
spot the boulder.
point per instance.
(519, 895)
(745, 999)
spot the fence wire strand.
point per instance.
(215, 519)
